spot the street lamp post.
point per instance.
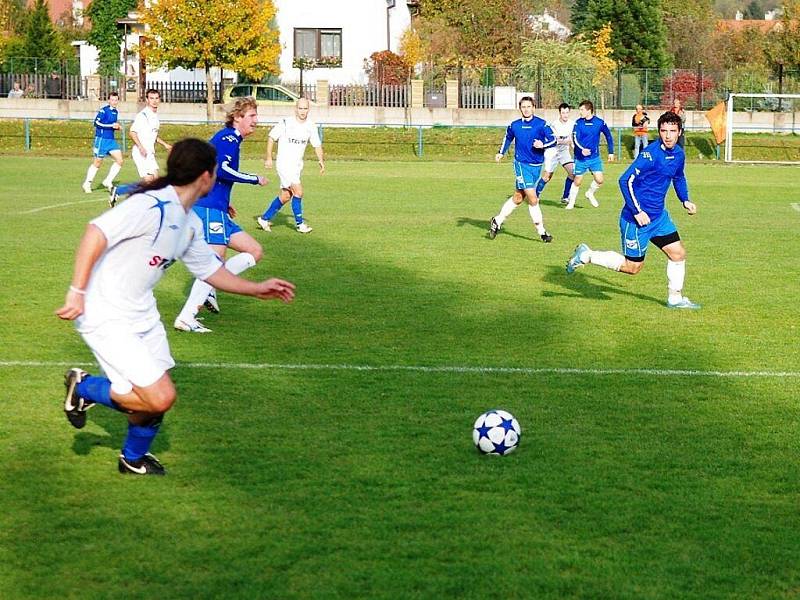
(389, 4)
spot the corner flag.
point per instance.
(717, 118)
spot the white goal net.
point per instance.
(763, 128)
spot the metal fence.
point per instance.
(396, 96)
(184, 91)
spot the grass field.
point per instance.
(323, 449)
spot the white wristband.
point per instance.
(72, 288)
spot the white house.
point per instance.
(339, 31)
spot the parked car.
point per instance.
(264, 93)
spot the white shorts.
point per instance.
(128, 358)
(145, 165)
(556, 156)
(289, 174)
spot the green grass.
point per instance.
(332, 482)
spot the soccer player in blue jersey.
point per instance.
(217, 213)
(644, 216)
(105, 124)
(586, 138)
(531, 136)
(121, 257)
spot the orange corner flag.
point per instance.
(717, 117)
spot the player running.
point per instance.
(122, 256)
(586, 137)
(560, 153)
(293, 135)
(644, 217)
(531, 136)
(105, 124)
(217, 213)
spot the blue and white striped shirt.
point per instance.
(587, 135)
(523, 133)
(645, 183)
(104, 122)
(227, 142)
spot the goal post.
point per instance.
(780, 119)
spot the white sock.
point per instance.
(604, 258)
(507, 208)
(573, 193)
(112, 173)
(240, 263)
(593, 188)
(197, 297)
(676, 273)
(90, 173)
(537, 218)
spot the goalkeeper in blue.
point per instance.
(644, 218)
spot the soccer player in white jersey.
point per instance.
(144, 134)
(293, 135)
(122, 256)
(560, 153)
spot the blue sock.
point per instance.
(126, 188)
(98, 389)
(567, 187)
(273, 209)
(139, 438)
(540, 186)
(297, 209)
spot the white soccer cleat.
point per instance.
(211, 304)
(304, 228)
(87, 187)
(264, 224)
(592, 200)
(569, 206)
(193, 326)
(109, 185)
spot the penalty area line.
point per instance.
(41, 208)
(445, 369)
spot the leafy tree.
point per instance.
(105, 34)
(41, 39)
(784, 44)
(410, 49)
(230, 34)
(691, 31)
(638, 35)
(488, 31)
(387, 68)
(566, 69)
(12, 17)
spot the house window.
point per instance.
(323, 45)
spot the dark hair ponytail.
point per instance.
(188, 160)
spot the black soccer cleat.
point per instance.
(494, 227)
(113, 197)
(546, 237)
(75, 407)
(147, 465)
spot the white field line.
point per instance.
(442, 369)
(41, 208)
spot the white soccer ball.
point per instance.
(496, 432)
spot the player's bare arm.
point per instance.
(92, 246)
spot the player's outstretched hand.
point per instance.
(73, 307)
(611, 157)
(498, 157)
(262, 180)
(690, 207)
(277, 289)
(268, 163)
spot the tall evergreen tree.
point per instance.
(639, 36)
(105, 34)
(41, 39)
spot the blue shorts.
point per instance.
(527, 175)
(595, 165)
(218, 227)
(103, 146)
(634, 239)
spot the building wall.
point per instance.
(363, 25)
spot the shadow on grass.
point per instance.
(591, 287)
(115, 428)
(483, 224)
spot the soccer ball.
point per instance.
(496, 432)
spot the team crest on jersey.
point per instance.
(631, 244)
(215, 228)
